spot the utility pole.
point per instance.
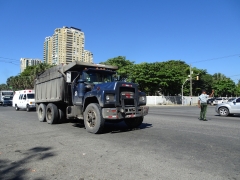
(190, 80)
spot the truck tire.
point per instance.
(93, 119)
(134, 122)
(52, 113)
(41, 112)
(61, 116)
(16, 107)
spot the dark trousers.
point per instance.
(203, 110)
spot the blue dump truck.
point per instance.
(90, 92)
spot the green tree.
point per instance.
(172, 74)
(237, 90)
(124, 66)
(205, 81)
(166, 77)
(4, 87)
(224, 87)
(26, 79)
(169, 76)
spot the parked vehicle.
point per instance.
(219, 100)
(7, 94)
(229, 108)
(24, 99)
(15, 98)
(210, 100)
(7, 101)
(231, 99)
(89, 92)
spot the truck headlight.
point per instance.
(109, 97)
(142, 99)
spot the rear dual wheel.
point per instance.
(41, 112)
(16, 107)
(50, 113)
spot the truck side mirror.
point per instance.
(117, 78)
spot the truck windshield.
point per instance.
(98, 77)
(7, 93)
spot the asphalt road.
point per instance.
(171, 144)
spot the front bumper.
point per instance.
(32, 106)
(127, 112)
(7, 104)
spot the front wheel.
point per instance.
(93, 119)
(223, 111)
(16, 107)
(134, 122)
(28, 109)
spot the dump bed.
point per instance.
(51, 86)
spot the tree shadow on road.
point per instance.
(18, 170)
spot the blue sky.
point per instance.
(203, 33)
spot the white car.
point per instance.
(229, 108)
(219, 101)
(25, 99)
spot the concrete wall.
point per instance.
(171, 100)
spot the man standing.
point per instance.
(202, 103)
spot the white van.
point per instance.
(15, 98)
(25, 100)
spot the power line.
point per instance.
(14, 63)
(215, 58)
(10, 58)
(234, 75)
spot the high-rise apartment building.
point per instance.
(65, 46)
(25, 62)
(47, 50)
(87, 56)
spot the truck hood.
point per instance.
(112, 85)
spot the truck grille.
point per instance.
(127, 96)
